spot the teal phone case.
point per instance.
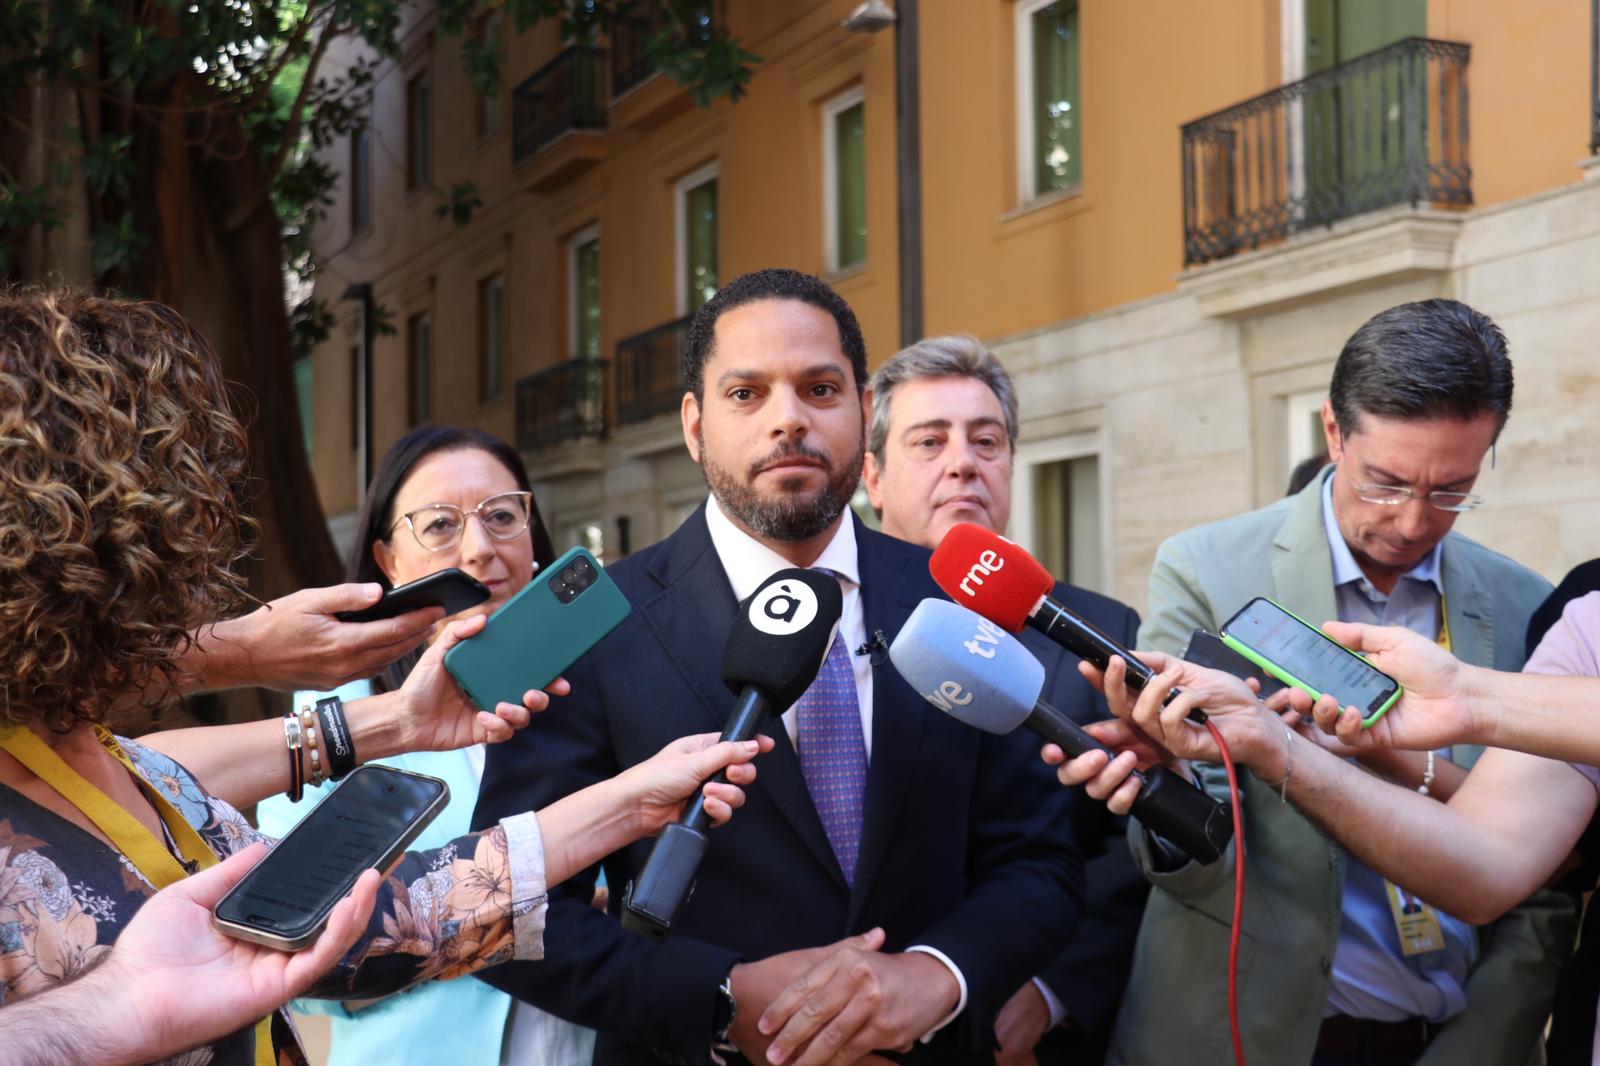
(533, 638)
(1287, 678)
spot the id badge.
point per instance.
(1415, 922)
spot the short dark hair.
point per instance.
(770, 284)
(1428, 359)
(377, 517)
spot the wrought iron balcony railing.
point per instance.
(1385, 128)
(629, 64)
(562, 403)
(647, 372)
(563, 95)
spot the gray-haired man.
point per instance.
(940, 446)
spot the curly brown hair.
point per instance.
(122, 475)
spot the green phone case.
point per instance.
(528, 642)
(1289, 679)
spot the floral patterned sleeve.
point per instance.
(476, 902)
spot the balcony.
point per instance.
(635, 98)
(647, 372)
(563, 403)
(566, 96)
(1384, 129)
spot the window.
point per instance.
(489, 37)
(491, 338)
(844, 181)
(306, 396)
(697, 239)
(419, 362)
(587, 534)
(1304, 418)
(583, 294)
(360, 179)
(1049, 123)
(1066, 520)
(419, 131)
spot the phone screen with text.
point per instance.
(1316, 660)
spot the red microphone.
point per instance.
(984, 571)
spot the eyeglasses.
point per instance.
(438, 526)
(1393, 495)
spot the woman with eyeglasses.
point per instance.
(442, 497)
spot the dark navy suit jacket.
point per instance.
(1091, 974)
(966, 845)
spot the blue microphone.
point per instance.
(976, 672)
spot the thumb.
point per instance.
(208, 886)
(455, 633)
(1357, 636)
(708, 761)
(351, 596)
(871, 940)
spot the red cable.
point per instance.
(1238, 892)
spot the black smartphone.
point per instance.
(454, 590)
(1299, 654)
(1206, 649)
(367, 822)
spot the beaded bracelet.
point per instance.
(308, 723)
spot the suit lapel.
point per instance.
(692, 618)
(1302, 563)
(887, 598)
(1469, 612)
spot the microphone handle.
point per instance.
(1079, 636)
(743, 724)
(651, 903)
(1166, 805)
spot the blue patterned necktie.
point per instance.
(833, 753)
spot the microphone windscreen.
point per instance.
(781, 635)
(967, 666)
(982, 570)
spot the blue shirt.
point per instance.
(1372, 977)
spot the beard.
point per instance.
(791, 513)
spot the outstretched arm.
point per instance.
(1476, 857)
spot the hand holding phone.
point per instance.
(1302, 656)
(539, 632)
(367, 822)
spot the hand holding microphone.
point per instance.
(779, 639)
(968, 667)
(980, 569)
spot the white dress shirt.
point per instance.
(748, 563)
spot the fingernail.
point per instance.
(752, 745)
(774, 1055)
(372, 588)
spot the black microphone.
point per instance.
(967, 667)
(779, 640)
(981, 570)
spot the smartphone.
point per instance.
(1208, 650)
(454, 590)
(1299, 654)
(539, 632)
(366, 822)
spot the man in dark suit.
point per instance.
(949, 846)
(941, 437)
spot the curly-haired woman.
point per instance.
(121, 473)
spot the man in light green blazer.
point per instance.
(1417, 399)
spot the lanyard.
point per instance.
(1444, 625)
(126, 833)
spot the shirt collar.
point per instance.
(748, 562)
(1345, 568)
